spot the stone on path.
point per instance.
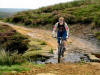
(46, 74)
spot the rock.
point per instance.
(96, 54)
(45, 74)
(93, 57)
(91, 35)
(14, 72)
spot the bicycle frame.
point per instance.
(60, 49)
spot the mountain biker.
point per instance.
(62, 30)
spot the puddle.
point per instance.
(76, 57)
(73, 57)
(95, 42)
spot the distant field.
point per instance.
(6, 12)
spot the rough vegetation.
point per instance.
(7, 58)
(83, 11)
(12, 44)
(11, 40)
(97, 34)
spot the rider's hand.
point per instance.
(67, 37)
(53, 34)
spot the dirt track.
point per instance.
(74, 43)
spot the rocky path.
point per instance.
(74, 44)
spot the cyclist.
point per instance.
(63, 31)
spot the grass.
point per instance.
(5, 28)
(32, 53)
(39, 65)
(17, 68)
(36, 47)
(11, 62)
(43, 43)
(97, 34)
(7, 58)
(51, 51)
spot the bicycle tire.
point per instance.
(59, 54)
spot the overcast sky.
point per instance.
(32, 4)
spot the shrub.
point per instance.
(69, 18)
(12, 40)
(97, 22)
(18, 18)
(28, 22)
(86, 20)
(97, 33)
(17, 42)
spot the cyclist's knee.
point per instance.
(64, 42)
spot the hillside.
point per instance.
(84, 13)
(74, 12)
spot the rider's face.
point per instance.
(61, 20)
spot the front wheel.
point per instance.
(59, 54)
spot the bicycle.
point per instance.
(61, 49)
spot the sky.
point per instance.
(31, 4)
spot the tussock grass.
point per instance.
(51, 51)
(6, 58)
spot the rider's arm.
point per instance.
(54, 29)
(67, 29)
(55, 26)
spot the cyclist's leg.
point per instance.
(58, 37)
(64, 38)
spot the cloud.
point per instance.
(32, 4)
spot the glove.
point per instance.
(67, 37)
(53, 34)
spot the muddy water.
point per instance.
(73, 57)
(95, 42)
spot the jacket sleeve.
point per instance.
(67, 29)
(55, 26)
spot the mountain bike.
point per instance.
(61, 49)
